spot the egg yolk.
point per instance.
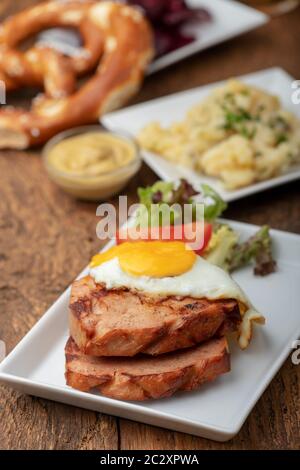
(153, 259)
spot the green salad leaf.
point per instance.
(219, 250)
(151, 194)
(224, 249)
(257, 248)
(214, 204)
(161, 195)
(170, 193)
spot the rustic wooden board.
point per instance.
(46, 238)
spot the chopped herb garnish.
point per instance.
(280, 138)
(247, 133)
(236, 121)
(233, 118)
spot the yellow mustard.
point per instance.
(91, 154)
(92, 165)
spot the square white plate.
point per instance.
(173, 108)
(230, 19)
(217, 410)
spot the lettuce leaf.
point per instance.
(170, 193)
(214, 204)
(220, 246)
(257, 248)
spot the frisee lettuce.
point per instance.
(257, 248)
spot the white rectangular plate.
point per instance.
(230, 19)
(217, 410)
(173, 108)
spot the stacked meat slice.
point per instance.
(134, 346)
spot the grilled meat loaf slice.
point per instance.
(122, 322)
(144, 377)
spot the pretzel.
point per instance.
(116, 39)
(29, 68)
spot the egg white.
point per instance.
(202, 280)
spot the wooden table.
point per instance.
(48, 237)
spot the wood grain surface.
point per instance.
(46, 238)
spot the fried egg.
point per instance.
(152, 259)
(171, 268)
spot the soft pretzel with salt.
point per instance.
(117, 40)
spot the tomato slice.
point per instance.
(188, 233)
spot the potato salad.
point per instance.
(238, 134)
